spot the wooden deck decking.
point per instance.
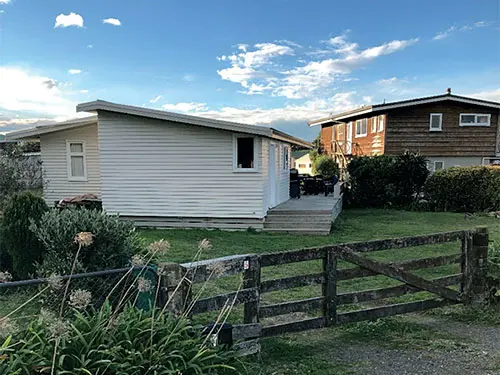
(311, 214)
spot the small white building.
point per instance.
(304, 164)
(166, 169)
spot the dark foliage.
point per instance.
(21, 244)
(326, 166)
(386, 181)
(464, 189)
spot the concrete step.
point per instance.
(308, 231)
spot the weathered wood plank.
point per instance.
(246, 331)
(203, 270)
(274, 259)
(301, 325)
(330, 288)
(246, 348)
(291, 307)
(390, 310)
(217, 302)
(399, 274)
(251, 279)
(291, 282)
(395, 291)
(354, 273)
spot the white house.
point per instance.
(303, 164)
(166, 169)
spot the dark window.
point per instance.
(245, 153)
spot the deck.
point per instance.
(311, 214)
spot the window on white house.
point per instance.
(381, 123)
(245, 153)
(438, 165)
(77, 170)
(374, 124)
(361, 127)
(302, 166)
(436, 122)
(286, 158)
(475, 119)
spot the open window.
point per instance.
(436, 122)
(361, 128)
(475, 119)
(245, 154)
(76, 160)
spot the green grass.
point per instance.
(309, 352)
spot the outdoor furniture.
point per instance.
(294, 184)
(310, 186)
(330, 185)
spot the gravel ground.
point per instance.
(471, 350)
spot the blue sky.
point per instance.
(276, 62)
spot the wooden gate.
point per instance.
(467, 285)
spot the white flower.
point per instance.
(162, 246)
(143, 285)
(7, 327)
(80, 299)
(84, 239)
(5, 277)
(138, 260)
(55, 282)
(204, 244)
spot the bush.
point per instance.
(123, 344)
(22, 245)
(326, 166)
(468, 189)
(386, 181)
(114, 241)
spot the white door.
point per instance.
(273, 191)
(348, 145)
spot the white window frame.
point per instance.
(431, 129)
(235, 154)
(360, 135)
(374, 126)
(381, 123)
(69, 154)
(434, 165)
(285, 152)
(476, 123)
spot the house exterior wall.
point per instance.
(154, 168)
(408, 129)
(305, 162)
(55, 166)
(372, 143)
(454, 161)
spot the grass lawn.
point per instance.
(284, 355)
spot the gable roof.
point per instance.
(100, 105)
(341, 117)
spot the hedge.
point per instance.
(464, 189)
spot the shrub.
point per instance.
(326, 166)
(114, 241)
(386, 181)
(123, 344)
(23, 246)
(464, 189)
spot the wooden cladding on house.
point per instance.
(409, 129)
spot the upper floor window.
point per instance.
(436, 122)
(381, 120)
(475, 119)
(374, 124)
(244, 154)
(361, 127)
(76, 160)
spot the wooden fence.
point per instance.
(471, 256)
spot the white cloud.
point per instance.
(185, 107)
(71, 19)
(90, 46)
(452, 29)
(492, 95)
(84, 91)
(387, 81)
(23, 93)
(257, 72)
(4, 1)
(74, 71)
(156, 99)
(367, 99)
(112, 21)
(188, 77)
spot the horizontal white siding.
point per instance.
(55, 168)
(158, 168)
(282, 175)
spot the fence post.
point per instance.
(476, 267)
(330, 287)
(251, 279)
(175, 288)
